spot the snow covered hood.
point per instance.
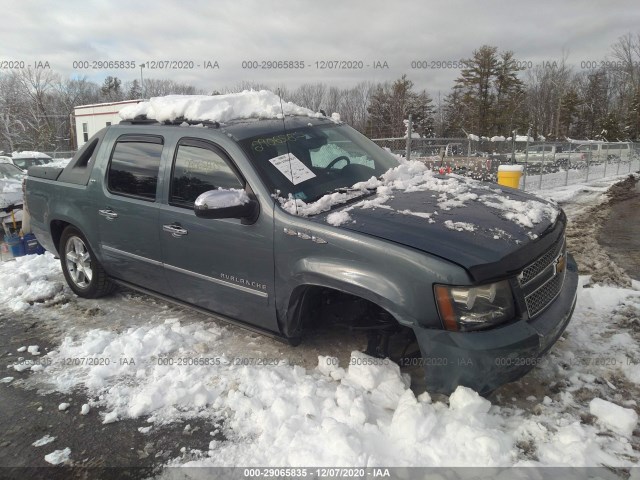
(216, 108)
(474, 224)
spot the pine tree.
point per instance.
(569, 107)
(135, 90)
(476, 81)
(509, 92)
(111, 89)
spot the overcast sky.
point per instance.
(230, 32)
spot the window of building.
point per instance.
(85, 132)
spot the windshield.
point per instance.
(8, 171)
(25, 163)
(321, 159)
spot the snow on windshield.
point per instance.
(216, 108)
(453, 192)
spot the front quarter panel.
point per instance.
(396, 278)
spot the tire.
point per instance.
(84, 274)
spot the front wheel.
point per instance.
(81, 269)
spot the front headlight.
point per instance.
(474, 308)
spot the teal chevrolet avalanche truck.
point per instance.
(284, 224)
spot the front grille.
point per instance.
(536, 268)
(542, 280)
(545, 294)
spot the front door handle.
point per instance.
(109, 214)
(175, 230)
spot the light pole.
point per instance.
(141, 80)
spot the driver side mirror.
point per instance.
(222, 203)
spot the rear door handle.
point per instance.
(109, 214)
(175, 230)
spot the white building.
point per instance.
(92, 118)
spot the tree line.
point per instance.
(492, 95)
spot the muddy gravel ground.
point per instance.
(586, 232)
(28, 412)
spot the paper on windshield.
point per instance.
(292, 168)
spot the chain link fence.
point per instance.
(545, 164)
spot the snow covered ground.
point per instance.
(270, 404)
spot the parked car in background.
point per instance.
(550, 154)
(598, 152)
(24, 160)
(10, 193)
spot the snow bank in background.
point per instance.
(216, 108)
(28, 279)
(29, 154)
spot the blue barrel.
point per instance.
(16, 245)
(31, 245)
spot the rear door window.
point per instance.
(134, 166)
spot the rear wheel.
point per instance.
(80, 267)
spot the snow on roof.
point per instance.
(216, 108)
(29, 154)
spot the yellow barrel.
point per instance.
(509, 175)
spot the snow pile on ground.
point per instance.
(363, 414)
(43, 441)
(281, 414)
(216, 108)
(29, 279)
(619, 419)
(58, 456)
